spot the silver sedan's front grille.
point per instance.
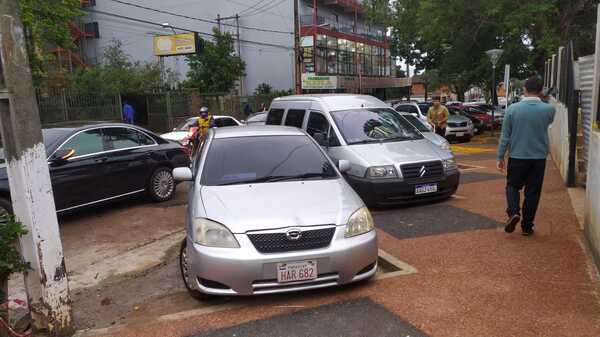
(279, 242)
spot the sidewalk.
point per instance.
(472, 279)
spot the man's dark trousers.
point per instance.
(441, 132)
(527, 173)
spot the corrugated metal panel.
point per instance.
(586, 82)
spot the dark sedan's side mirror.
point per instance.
(61, 156)
(321, 138)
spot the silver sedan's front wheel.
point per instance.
(162, 184)
(184, 267)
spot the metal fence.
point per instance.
(586, 83)
(63, 105)
(156, 111)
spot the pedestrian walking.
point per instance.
(525, 137)
(438, 115)
(128, 113)
(247, 110)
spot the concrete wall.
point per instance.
(559, 139)
(592, 203)
(270, 64)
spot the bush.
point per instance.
(11, 260)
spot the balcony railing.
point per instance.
(344, 26)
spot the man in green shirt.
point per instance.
(525, 137)
(438, 115)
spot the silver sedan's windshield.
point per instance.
(374, 125)
(264, 159)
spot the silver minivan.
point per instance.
(391, 161)
(269, 212)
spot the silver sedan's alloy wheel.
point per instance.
(163, 184)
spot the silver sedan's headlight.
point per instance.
(360, 222)
(445, 145)
(450, 164)
(212, 234)
(377, 172)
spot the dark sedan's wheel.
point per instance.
(184, 267)
(5, 208)
(162, 184)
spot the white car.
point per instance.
(180, 133)
(427, 131)
(413, 109)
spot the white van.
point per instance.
(391, 161)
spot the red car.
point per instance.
(479, 114)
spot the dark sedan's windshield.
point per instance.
(51, 136)
(416, 123)
(373, 125)
(264, 159)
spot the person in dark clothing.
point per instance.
(247, 110)
(525, 137)
(128, 113)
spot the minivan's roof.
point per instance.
(335, 102)
(258, 130)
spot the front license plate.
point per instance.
(296, 271)
(424, 189)
(460, 134)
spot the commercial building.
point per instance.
(339, 51)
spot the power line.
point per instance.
(199, 19)
(265, 8)
(180, 28)
(251, 7)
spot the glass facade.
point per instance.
(336, 56)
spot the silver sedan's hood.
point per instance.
(246, 207)
(387, 153)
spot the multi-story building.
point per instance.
(340, 51)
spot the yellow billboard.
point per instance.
(176, 44)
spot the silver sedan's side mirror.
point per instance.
(182, 174)
(343, 165)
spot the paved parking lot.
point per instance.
(472, 279)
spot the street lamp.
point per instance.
(494, 55)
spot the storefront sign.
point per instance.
(316, 82)
(176, 44)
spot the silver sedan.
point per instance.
(269, 212)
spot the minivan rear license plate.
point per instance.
(424, 189)
(296, 271)
(460, 134)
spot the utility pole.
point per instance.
(219, 21)
(239, 50)
(297, 65)
(30, 187)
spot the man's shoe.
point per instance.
(512, 222)
(527, 231)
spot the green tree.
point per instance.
(216, 69)
(263, 89)
(452, 36)
(118, 73)
(46, 25)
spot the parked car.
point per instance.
(427, 131)
(459, 127)
(481, 115)
(269, 212)
(478, 125)
(99, 162)
(256, 119)
(391, 161)
(182, 131)
(414, 109)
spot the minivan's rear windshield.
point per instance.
(359, 126)
(264, 159)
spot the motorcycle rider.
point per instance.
(203, 123)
